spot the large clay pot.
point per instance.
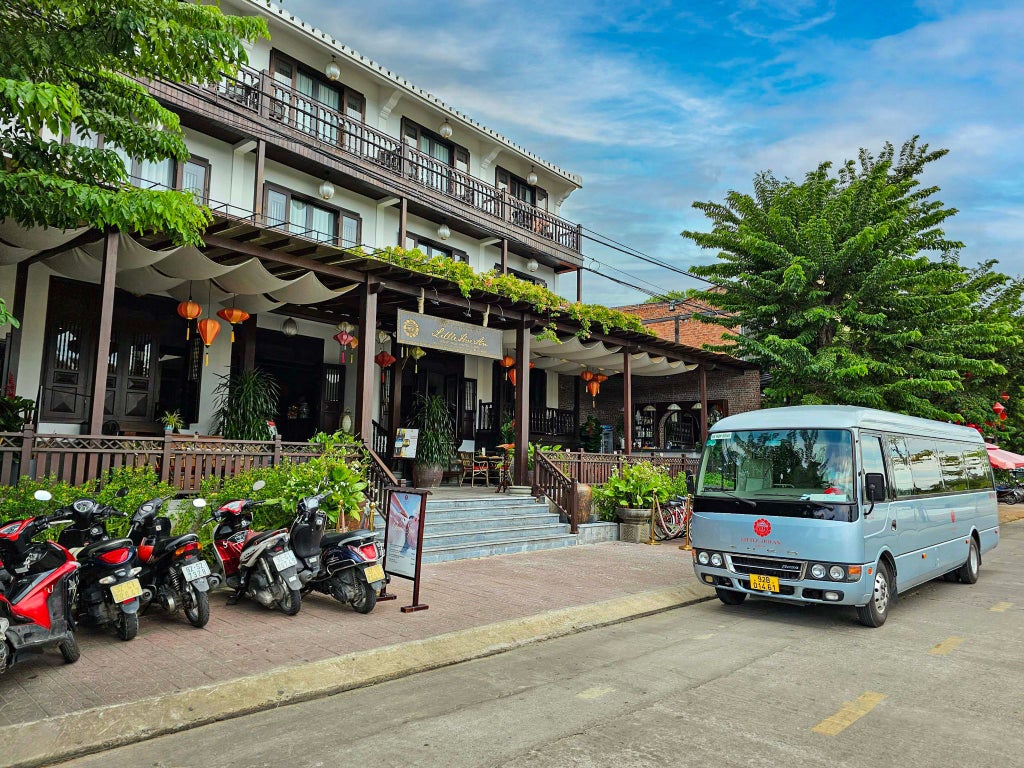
(631, 515)
(427, 475)
(585, 504)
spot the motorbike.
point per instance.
(261, 566)
(174, 573)
(344, 565)
(1009, 494)
(108, 590)
(38, 583)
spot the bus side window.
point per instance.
(899, 460)
(871, 459)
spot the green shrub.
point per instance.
(634, 486)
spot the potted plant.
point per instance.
(631, 491)
(172, 421)
(435, 449)
(246, 401)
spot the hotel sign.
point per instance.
(450, 335)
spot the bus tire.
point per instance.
(972, 565)
(730, 597)
(875, 612)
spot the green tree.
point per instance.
(846, 289)
(5, 316)
(673, 295)
(80, 65)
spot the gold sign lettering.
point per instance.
(449, 335)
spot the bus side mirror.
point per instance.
(874, 486)
(691, 485)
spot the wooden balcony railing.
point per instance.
(554, 422)
(306, 118)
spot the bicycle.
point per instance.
(671, 518)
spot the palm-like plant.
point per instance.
(436, 446)
(246, 401)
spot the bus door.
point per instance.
(875, 521)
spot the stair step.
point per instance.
(506, 547)
(436, 541)
(491, 521)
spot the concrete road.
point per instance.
(764, 684)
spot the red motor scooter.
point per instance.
(38, 582)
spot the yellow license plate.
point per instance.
(764, 583)
(126, 590)
(374, 572)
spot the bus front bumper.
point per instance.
(798, 591)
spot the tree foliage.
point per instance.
(80, 66)
(846, 289)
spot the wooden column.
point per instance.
(248, 341)
(702, 385)
(627, 401)
(99, 382)
(396, 398)
(504, 256)
(522, 405)
(13, 352)
(403, 221)
(579, 284)
(257, 191)
(366, 378)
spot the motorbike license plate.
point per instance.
(374, 572)
(284, 560)
(764, 583)
(125, 591)
(196, 570)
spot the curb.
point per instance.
(44, 742)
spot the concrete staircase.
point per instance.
(491, 524)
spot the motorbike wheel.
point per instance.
(127, 625)
(366, 600)
(291, 599)
(69, 650)
(197, 606)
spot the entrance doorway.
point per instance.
(440, 373)
(297, 364)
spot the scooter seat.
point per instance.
(259, 538)
(344, 537)
(169, 545)
(99, 547)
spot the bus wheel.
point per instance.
(969, 570)
(730, 597)
(875, 612)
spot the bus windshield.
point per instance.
(794, 465)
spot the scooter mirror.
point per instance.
(258, 485)
(42, 495)
(200, 503)
(121, 492)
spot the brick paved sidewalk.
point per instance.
(170, 655)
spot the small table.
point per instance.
(503, 465)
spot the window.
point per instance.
(977, 468)
(899, 460)
(195, 178)
(314, 105)
(951, 461)
(924, 465)
(301, 216)
(871, 459)
(522, 275)
(433, 167)
(431, 248)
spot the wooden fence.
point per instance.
(181, 460)
(596, 468)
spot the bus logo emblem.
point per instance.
(762, 527)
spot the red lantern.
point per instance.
(512, 376)
(593, 387)
(532, 364)
(507, 362)
(189, 311)
(600, 378)
(998, 407)
(385, 360)
(587, 375)
(344, 338)
(208, 329)
(1004, 397)
(1002, 415)
(233, 315)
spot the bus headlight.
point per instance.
(818, 571)
(716, 560)
(837, 573)
(703, 558)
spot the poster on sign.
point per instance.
(403, 538)
(405, 443)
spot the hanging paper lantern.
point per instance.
(998, 407)
(385, 360)
(532, 364)
(208, 329)
(189, 311)
(512, 376)
(1004, 397)
(507, 362)
(593, 388)
(343, 338)
(600, 378)
(416, 353)
(233, 315)
(346, 327)
(587, 375)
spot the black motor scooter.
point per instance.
(174, 572)
(108, 590)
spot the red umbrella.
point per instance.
(1001, 459)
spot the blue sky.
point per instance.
(660, 104)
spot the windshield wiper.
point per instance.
(749, 502)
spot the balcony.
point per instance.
(308, 135)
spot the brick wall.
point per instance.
(692, 333)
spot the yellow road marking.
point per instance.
(851, 712)
(594, 693)
(1000, 607)
(947, 645)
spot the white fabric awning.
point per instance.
(572, 356)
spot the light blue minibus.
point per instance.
(841, 505)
